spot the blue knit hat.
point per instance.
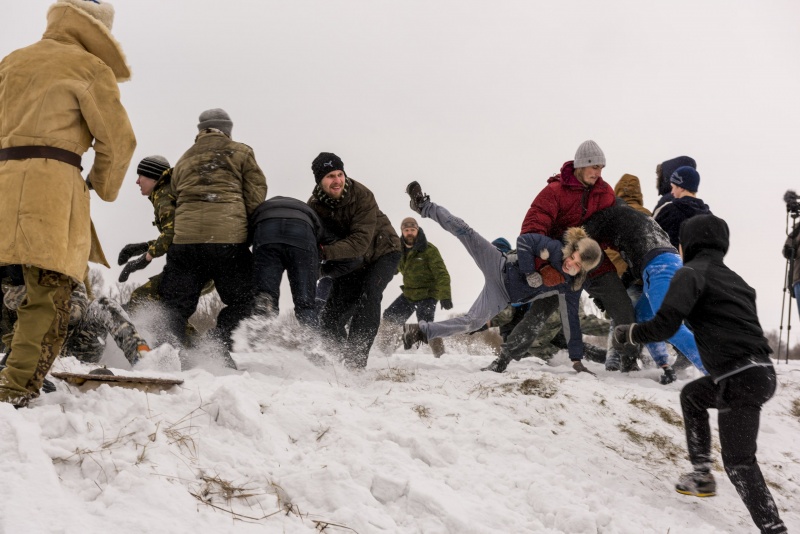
(502, 244)
(686, 177)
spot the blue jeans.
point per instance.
(657, 350)
(657, 275)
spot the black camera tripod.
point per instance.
(793, 211)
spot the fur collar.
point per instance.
(68, 23)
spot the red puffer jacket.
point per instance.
(566, 202)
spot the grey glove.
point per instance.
(623, 333)
(534, 279)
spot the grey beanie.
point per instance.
(588, 155)
(216, 118)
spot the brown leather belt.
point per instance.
(44, 152)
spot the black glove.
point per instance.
(627, 279)
(622, 334)
(129, 251)
(136, 265)
(599, 304)
(447, 304)
(579, 367)
(481, 329)
(788, 252)
(669, 376)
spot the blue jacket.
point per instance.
(529, 247)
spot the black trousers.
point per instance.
(301, 266)
(402, 308)
(738, 399)
(189, 267)
(609, 289)
(606, 287)
(516, 343)
(355, 299)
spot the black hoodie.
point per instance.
(671, 214)
(667, 168)
(716, 304)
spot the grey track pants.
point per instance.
(494, 296)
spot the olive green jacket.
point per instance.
(424, 273)
(217, 185)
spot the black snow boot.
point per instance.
(48, 386)
(412, 335)
(418, 198)
(497, 366)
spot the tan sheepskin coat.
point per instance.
(61, 92)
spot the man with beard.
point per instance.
(350, 212)
(425, 281)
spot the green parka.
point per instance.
(424, 273)
(217, 185)
(360, 227)
(61, 92)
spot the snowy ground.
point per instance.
(412, 445)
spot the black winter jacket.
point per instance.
(671, 215)
(716, 304)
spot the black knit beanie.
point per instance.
(152, 167)
(324, 163)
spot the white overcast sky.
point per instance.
(480, 101)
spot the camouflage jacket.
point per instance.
(163, 200)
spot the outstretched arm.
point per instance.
(684, 291)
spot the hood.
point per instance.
(576, 239)
(67, 23)
(667, 168)
(629, 189)
(704, 232)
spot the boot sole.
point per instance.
(696, 494)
